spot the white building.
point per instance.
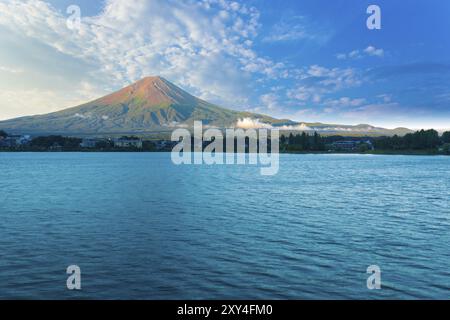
(128, 143)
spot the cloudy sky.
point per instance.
(307, 60)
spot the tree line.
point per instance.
(49, 142)
(419, 140)
(303, 142)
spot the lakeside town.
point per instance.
(420, 142)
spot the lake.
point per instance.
(140, 227)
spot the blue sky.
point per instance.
(309, 60)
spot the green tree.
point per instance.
(104, 144)
(148, 146)
(446, 148)
(304, 141)
(363, 147)
(446, 137)
(423, 139)
(318, 143)
(66, 143)
(291, 139)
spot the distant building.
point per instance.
(56, 147)
(22, 140)
(6, 142)
(161, 144)
(370, 144)
(125, 142)
(351, 145)
(164, 144)
(90, 143)
(345, 145)
(14, 141)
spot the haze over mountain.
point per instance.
(153, 104)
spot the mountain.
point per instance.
(360, 129)
(152, 105)
(149, 105)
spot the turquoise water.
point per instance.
(140, 227)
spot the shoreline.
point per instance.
(381, 152)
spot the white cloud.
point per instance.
(296, 28)
(249, 123)
(270, 101)
(355, 54)
(358, 54)
(10, 70)
(316, 81)
(372, 51)
(299, 127)
(204, 46)
(287, 32)
(385, 97)
(301, 93)
(344, 102)
(376, 111)
(15, 103)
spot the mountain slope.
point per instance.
(152, 104)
